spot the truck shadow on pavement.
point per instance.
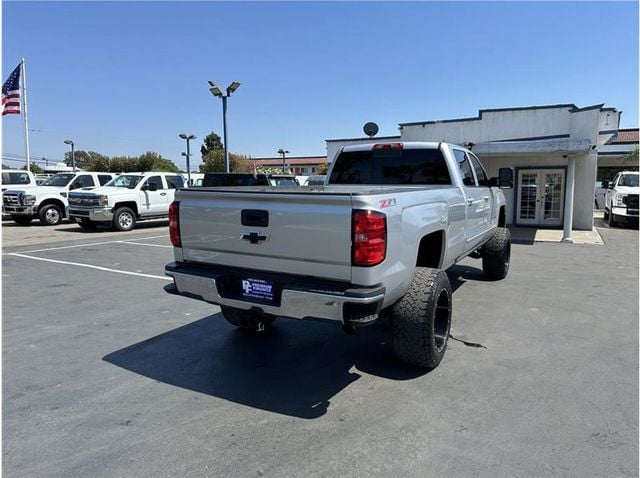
(294, 369)
(460, 273)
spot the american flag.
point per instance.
(11, 94)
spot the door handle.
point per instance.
(163, 194)
(486, 198)
(469, 201)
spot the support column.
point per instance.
(568, 202)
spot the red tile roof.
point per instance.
(292, 161)
(627, 136)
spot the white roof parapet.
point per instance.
(528, 147)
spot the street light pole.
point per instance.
(283, 152)
(73, 154)
(224, 135)
(188, 137)
(216, 91)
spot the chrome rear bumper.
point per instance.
(357, 306)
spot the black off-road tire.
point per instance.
(124, 219)
(421, 320)
(496, 254)
(247, 320)
(612, 220)
(50, 214)
(22, 220)
(606, 215)
(88, 225)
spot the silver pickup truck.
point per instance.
(374, 240)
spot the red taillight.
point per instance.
(388, 146)
(369, 236)
(174, 225)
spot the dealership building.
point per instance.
(554, 151)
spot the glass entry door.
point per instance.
(540, 197)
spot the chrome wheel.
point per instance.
(52, 216)
(125, 220)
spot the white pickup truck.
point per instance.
(49, 201)
(621, 197)
(377, 237)
(17, 178)
(129, 198)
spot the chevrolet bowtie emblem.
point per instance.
(254, 237)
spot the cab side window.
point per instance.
(157, 180)
(82, 181)
(174, 182)
(104, 179)
(465, 168)
(477, 167)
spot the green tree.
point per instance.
(240, 163)
(82, 159)
(322, 169)
(88, 160)
(152, 161)
(213, 162)
(99, 163)
(147, 160)
(632, 157)
(123, 164)
(212, 142)
(35, 169)
(164, 164)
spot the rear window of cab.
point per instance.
(391, 166)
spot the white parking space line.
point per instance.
(144, 244)
(89, 266)
(90, 244)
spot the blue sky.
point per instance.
(122, 78)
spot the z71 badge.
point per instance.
(387, 202)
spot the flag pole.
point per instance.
(24, 115)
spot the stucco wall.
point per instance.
(504, 125)
(583, 192)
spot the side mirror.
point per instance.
(605, 184)
(151, 186)
(504, 179)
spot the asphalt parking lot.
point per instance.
(106, 375)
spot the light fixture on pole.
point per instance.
(216, 91)
(73, 153)
(188, 137)
(283, 152)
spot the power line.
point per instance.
(4, 158)
(20, 156)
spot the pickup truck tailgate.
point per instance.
(307, 233)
